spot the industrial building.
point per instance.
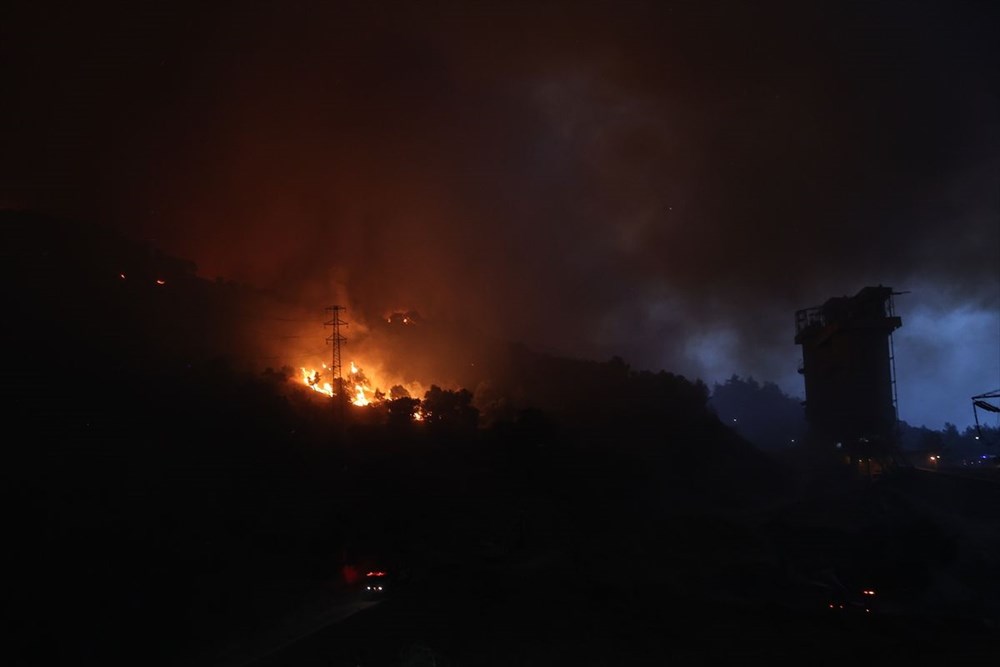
(849, 371)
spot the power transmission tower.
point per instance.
(335, 340)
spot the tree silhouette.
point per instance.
(400, 411)
(450, 411)
(761, 413)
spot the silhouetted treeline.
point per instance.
(760, 412)
(954, 447)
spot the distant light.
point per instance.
(122, 276)
(734, 419)
(160, 281)
(840, 445)
(793, 441)
(977, 437)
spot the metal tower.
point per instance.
(335, 340)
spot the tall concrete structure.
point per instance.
(849, 371)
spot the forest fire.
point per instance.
(313, 379)
(358, 387)
(355, 383)
(363, 392)
(362, 387)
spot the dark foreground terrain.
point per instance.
(777, 584)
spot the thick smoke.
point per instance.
(665, 182)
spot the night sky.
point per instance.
(664, 181)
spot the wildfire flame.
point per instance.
(363, 389)
(312, 378)
(362, 394)
(359, 396)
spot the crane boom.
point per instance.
(979, 402)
